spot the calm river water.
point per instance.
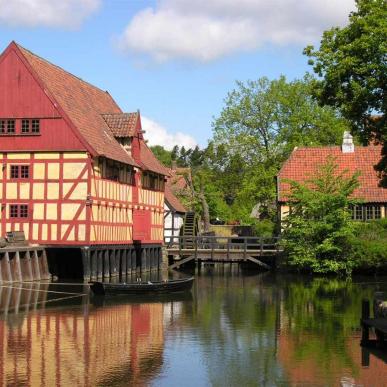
(236, 329)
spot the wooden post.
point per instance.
(44, 272)
(143, 260)
(365, 314)
(27, 269)
(6, 266)
(35, 266)
(117, 258)
(16, 268)
(93, 266)
(86, 263)
(123, 263)
(244, 248)
(261, 247)
(99, 257)
(112, 261)
(106, 265)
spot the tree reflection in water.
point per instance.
(236, 329)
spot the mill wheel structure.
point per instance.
(190, 229)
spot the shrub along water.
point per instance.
(318, 232)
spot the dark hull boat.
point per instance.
(142, 288)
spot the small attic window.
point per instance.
(35, 126)
(10, 126)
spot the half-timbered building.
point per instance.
(75, 170)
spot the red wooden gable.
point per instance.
(21, 96)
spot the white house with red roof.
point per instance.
(303, 162)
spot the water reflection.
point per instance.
(235, 329)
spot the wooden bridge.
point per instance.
(184, 249)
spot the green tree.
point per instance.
(261, 123)
(162, 155)
(352, 65)
(318, 231)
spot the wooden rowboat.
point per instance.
(159, 287)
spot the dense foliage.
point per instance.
(370, 246)
(318, 231)
(352, 66)
(261, 123)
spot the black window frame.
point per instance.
(25, 126)
(11, 126)
(13, 211)
(35, 126)
(14, 172)
(19, 171)
(19, 211)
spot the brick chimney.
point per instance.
(347, 146)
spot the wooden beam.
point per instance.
(258, 262)
(181, 262)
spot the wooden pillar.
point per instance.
(106, 265)
(143, 260)
(25, 266)
(93, 266)
(112, 261)
(128, 257)
(160, 258)
(35, 266)
(44, 272)
(99, 258)
(124, 253)
(86, 264)
(134, 260)
(6, 268)
(16, 268)
(117, 257)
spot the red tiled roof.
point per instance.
(83, 104)
(122, 124)
(150, 162)
(172, 200)
(303, 162)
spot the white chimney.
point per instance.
(347, 146)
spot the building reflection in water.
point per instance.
(81, 344)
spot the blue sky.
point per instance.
(175, 60)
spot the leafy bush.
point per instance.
(318, 232)
(370, 245)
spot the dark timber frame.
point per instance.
(222, 249)
(105, 262)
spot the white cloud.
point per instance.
(47, 13)
(158, 135)
(205, 30)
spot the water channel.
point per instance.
(237, 328)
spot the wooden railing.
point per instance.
(246, 245)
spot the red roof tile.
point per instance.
(303, 162)
(172, 200)
(122, 124)
(83, 104)
(150, 162)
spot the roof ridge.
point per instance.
(62, 69)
